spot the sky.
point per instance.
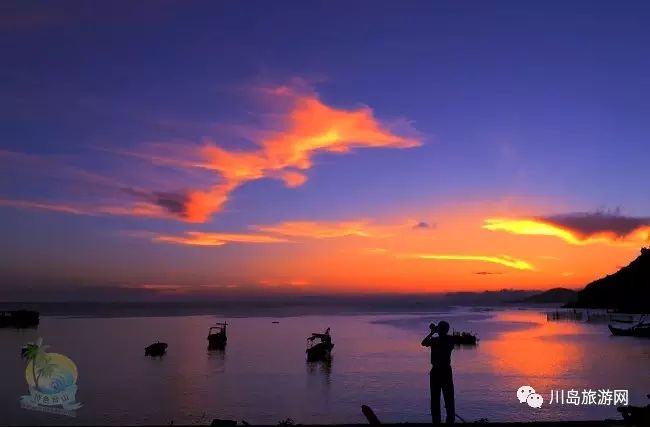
(200, 148)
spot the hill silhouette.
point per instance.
(555, 295)
(627, 290)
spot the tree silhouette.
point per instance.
(34, 353)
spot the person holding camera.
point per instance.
(440, 377)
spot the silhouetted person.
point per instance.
(440, 377)
(326, 338)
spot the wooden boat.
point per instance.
(157, 349)
(319, 346)
(464, 338)
(19, 319)
(639, 330)
(217, 337)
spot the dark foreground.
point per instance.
(604, 423)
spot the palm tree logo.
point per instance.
(41, 363)
(51, 378)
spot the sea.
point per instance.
(263, 377)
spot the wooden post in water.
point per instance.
(370, 415)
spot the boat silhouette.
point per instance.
(157, 349)
(217, 337)
(641, 329)
(319, 346)
(19, 319)
(464, 338)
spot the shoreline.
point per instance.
(253, 309)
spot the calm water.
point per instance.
(262, 377)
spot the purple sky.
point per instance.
(539, 101)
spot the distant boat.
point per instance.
(641, 329)
(19, 319)
(217, 337)
(464, 338)
(322, 349)
(156, 349)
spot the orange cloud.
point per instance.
(54, 207)
(306, 127)
(293, 179)
(197, 238)
(278, 282)
(272, 233)
(531, 227)
(572, 235)
(504, 260)
(202, 204)
(136, 209)
(311, 127)
(323, 230)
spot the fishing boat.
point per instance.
(464, 338)
(217, 337)
(641, 329)
(19, 319)
(319, 346)
(157, 349)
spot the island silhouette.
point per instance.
(626, 290)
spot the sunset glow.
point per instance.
(323, 230)
(501, 260)
(534, 227)
(320, 155)
(272, 211)
(194, 238)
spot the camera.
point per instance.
(432, 326)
